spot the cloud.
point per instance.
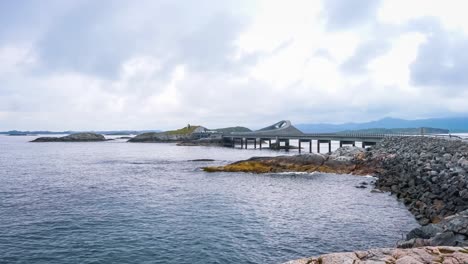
(441, 60)
(367, 51)
(341, 14)
(161, 64)
(96, 37)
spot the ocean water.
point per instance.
(118, 202)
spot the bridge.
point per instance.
(279, 135)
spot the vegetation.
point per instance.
(228, 130)
(183, 131)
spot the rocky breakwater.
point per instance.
(423, 255)
(78, 137)
(428, 174)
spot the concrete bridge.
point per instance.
(283, 132)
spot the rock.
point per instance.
(346, 153)
(201, 160)
(420, 255)
(463, 162)
(450, 231)
(297, 163)
(424, 232)
(449, 238)
(78, 137)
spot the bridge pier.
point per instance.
(323, 141)
(342, 142)
(365, 144)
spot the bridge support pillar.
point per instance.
(323, 141)
(269, 143)
(353, 143)
(255, 143)
(366, 144)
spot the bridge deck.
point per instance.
(323, 136)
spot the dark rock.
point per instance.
(78, 137)
(424, 232)
(202, 160)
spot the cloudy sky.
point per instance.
(161, 64)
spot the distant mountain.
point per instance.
(456, 124)
(407, 131)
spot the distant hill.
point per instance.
(456, 124)
(411, 131)
(228, 130)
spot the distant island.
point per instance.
(78, 137)
(46, 132)
(189, 134)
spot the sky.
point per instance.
(161, 64)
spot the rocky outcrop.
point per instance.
(159, 137)
(423, 255)
(345, 161)
(451, 231)
(78, 137)
(185, 134)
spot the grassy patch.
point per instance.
(182, 131)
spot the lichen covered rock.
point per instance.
(423, 255)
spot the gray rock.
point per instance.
(78, 137)
(424, 232)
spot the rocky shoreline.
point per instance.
(429, 175)
(423, 255)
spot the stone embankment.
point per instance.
(428, 174)
(78, 137)
(423, 255)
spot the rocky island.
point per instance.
(188, 136)
(78, 137)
